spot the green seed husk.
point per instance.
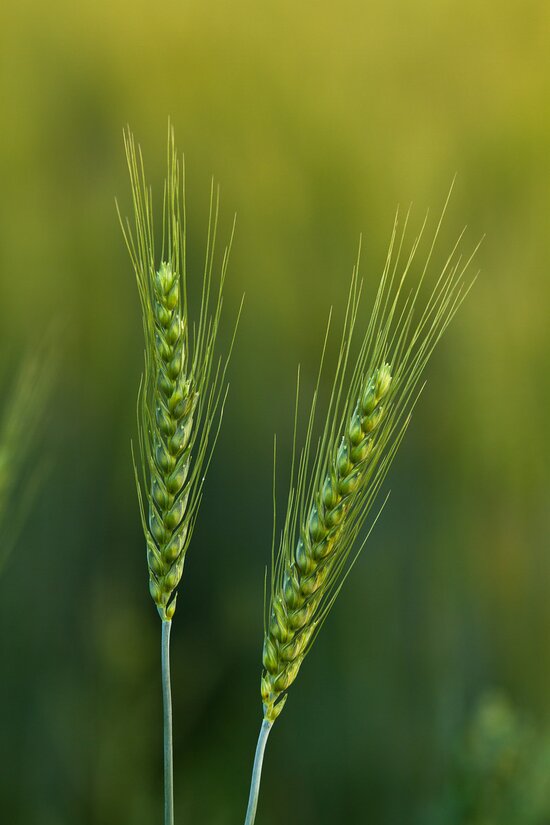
(182, 394)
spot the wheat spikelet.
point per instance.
(181, 396)
(335, 485)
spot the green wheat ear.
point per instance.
(181, 397)
(336, 479)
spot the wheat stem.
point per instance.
(257, 772)
(167, 725)
(21, 413)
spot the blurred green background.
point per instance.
(317, 119)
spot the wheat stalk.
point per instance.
(22, 413)
(335, 482)
(181, 397)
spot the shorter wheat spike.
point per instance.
(337, 477)
(294, 605)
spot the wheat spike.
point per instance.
(336, 478)
(336, 484)
(182, 392)
(306, 575)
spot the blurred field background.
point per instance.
(317, 119)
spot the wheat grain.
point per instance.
(306, 577)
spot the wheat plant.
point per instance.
(21, 416)
(337, 475)
(181, 396)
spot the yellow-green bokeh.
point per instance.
(317, 119)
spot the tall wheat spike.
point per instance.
(182, 394)
(336, 479)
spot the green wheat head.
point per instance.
(181, 397)
(335, 479)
